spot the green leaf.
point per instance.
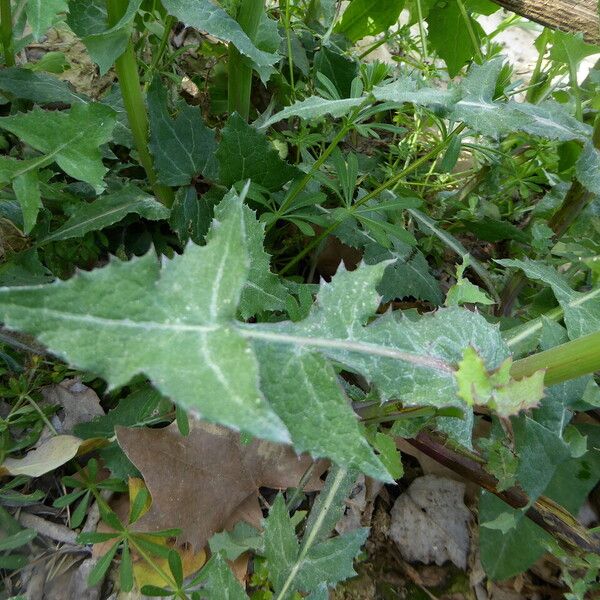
(177, 325)
(27, 190)
(17, 540)
(132, 410)
(42, 14)
(365, 17)
(588, 168)
(497, 390)
(99, 571)
(208, 17)
(389, 455)
(294, 569)
(40, 88)
(314, 107)
(155, 312)
(472, 102)
(70, 138)
(540, 453)
(306, 394)
(408, 276)
(570, 49)
(338, 68)
(581, 313)
(245, 153)
(126, 569)
(89, 21)
(240, 539)
(449, 36)
(190, 215)
(505, 554)
(108, 210)
(262, 290)
(330, 504)
(221, 584)
(182, 146)
(463, 291)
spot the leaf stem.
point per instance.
(6, 32)
(390, 183)
(422, 33)
(288, 25)
(240, 70)
(129, 82)
(562, 363)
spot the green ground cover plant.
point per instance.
(169, 240)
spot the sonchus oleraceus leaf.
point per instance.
(176, 323)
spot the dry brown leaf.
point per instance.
(430, 522)
(78, 402)
(198, 481)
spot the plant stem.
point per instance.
(6, 32)
(562, 363)
(422, 33)
(532, 91)
(390, 183)
(164, 40)
(129, 82)
(472, 35)
(288, 36)
(240, 70)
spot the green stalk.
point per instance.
(240, 71)
(162, 46)
(131, 90)
(390, 183)
(564, 362)
(6, 33)
(533, 91)
(422, 33)
(472, 36)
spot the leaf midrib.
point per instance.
(253, 332)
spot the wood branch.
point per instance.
(573, 16)
(551, 517)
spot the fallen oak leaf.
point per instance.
(198, 481)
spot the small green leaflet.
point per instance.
(89, 21)
(108, 210)
(472, 102)
(40, 88)
(70, 138)
(208, 17)
(293, 568)
(176, 324)
(41, 14)
(183, 147)
(463, 291)
(245, 153)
